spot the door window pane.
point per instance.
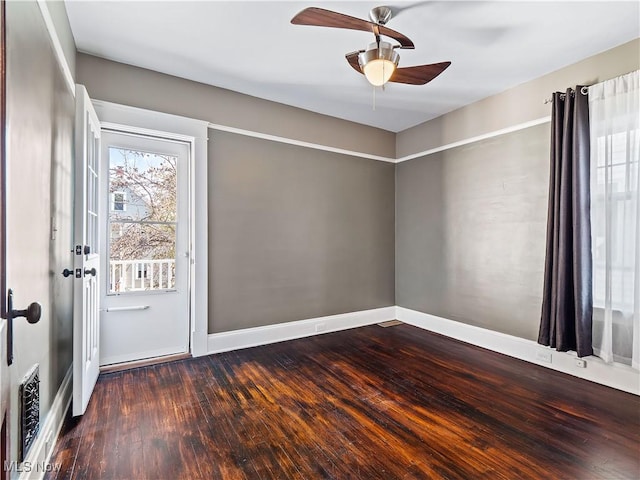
(142, 220)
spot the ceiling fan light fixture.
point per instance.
(378, 63)
(379, 71)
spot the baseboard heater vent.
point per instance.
(29, 411)
(390, 323)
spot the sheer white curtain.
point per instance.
(614, 116)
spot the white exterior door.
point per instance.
(86, 319)
(145, 235)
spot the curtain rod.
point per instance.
(584, 91)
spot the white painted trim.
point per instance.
(39, 455)
(57, 46)
(147, 122)
(253, 337)
(298, 143)
(290, 141)
(325, 148)
(616, 376)
(484, 136)
(147, 132)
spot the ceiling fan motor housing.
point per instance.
(381, 51)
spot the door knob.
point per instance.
(32, 313)
(91, 271)
(66, 273)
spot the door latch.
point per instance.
(80, 250)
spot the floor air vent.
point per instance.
(29, 411)
(390, 323)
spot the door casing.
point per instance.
(135, 120)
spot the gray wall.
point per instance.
(471, 232)
(295, 233)
(40, 118)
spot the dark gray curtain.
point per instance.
(567, 299)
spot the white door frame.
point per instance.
(134, 120)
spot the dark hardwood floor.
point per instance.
(369, 403)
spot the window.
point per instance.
(615, 218)
(119, 203)
(612, 207)
(143, 220)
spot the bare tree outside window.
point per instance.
(143, 219)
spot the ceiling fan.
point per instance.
(379, 61)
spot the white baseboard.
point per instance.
(253, 337)
(36, 464)
(616, 376)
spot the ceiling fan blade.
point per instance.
(420, 74)
(320, 17)
(352, 58)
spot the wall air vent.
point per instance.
(29, 411)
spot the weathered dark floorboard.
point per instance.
(368, 403)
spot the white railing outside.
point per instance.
(141, 275)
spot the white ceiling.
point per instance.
(251, 47)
